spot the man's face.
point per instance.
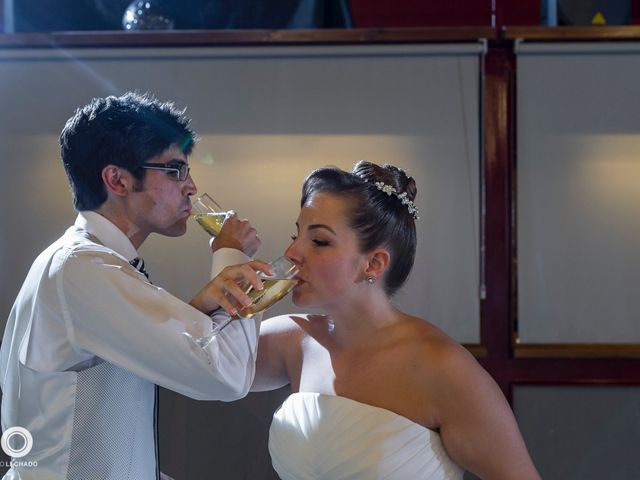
(162, 205)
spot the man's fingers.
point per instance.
(232, 284)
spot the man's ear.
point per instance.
(117, 180)
(378, 262)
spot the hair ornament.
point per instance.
(404, 199)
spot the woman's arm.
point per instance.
(279, 340)
(477, 426)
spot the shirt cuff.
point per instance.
(224, 257)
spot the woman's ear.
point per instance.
(117, 180)
(378, 262)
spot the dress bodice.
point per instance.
(317, 436)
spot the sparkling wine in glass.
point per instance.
(276, 286)
(206, 211)
(274, 290)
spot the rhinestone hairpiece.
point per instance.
(389, 190)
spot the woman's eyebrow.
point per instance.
(320, 225)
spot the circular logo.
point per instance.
(16, 442)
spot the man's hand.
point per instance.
(238, 234)
(227, 289)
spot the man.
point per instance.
(89, 336)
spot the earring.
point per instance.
(371, 279)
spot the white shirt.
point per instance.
(87, 339)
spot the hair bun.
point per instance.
(402, 181)
(391, 180)
(388, 174)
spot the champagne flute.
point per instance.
(206, 211)
(276, 286)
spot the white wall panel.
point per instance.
(578, 183)
(266, 116)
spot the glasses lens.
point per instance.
(184, 171)
(178, 170)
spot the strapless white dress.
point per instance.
(317, 436)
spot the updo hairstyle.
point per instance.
(378, 219)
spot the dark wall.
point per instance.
(35, 15)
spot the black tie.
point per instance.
(138, 264)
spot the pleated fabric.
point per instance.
(326, 437)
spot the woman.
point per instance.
(376, 393)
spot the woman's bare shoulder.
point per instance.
(439, 352)
(430, 335)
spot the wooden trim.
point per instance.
(565, 371)
(245, 37)
(496, 321)
(478, 351)
(496, 312)
(558, 34)
(574, 350)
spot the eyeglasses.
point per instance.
(176, 169)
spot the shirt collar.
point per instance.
(108, 234)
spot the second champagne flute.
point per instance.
(276, 286)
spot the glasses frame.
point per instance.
(180, 168)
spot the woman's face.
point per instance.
(325, 249)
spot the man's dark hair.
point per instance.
(125, 131)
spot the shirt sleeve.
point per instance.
(113, 312)
(225, 257)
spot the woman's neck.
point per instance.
(362, 322)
